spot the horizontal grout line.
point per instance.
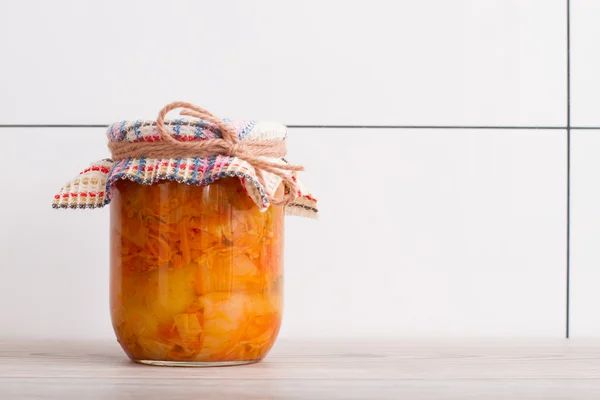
(440, 127)
(339, 126)
(52, 126)
(422, 127)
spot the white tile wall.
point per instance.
(484, 62)
(464, 231)
(585, 265)
(54, 264)
(461, 233)
(585, 62)
(457, 233)
(585, 192)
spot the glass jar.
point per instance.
(197, 208)
(196, 274)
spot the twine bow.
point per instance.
(250, 151)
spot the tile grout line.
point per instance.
(448, 127)
(568, 277)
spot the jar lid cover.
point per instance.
(260, 175)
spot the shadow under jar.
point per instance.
(196, 275)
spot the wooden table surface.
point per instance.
(366, 369)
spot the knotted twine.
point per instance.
(230, 145)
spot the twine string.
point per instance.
(254, 152)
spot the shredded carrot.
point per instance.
(196, 272)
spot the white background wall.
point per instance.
(455, 232)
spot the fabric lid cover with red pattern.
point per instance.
(260, 172)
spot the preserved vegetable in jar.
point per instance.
(196, 272)
(196, 241)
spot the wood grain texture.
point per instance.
(369, 369)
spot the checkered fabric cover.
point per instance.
(93, 186)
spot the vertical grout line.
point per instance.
(568, 320)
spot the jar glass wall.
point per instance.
(196, 273)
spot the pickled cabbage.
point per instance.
(196, 272)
